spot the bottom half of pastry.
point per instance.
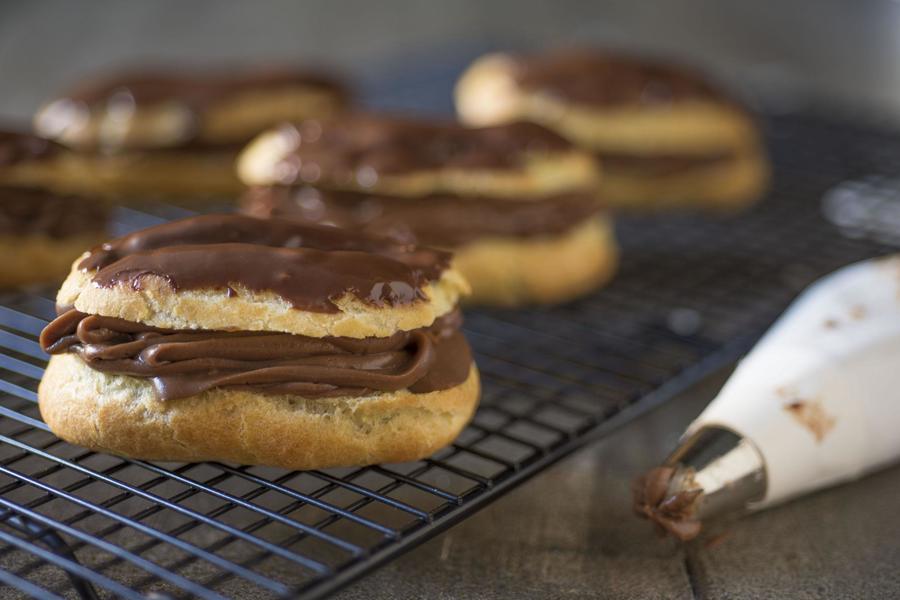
(725, 182)
(541, 269)
(121, 414)
(186, 174)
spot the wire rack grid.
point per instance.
(693, 293)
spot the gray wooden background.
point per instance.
(568, 532)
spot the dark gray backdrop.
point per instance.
(826, 48)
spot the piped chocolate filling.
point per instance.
(661, 165)
(439, 220)
(183, 363)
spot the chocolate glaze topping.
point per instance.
(197, 89)
(17, 147)
(671, 513)
(358, 148)
(439, 220)
(309, 279)
(188, 362)
(32, 211)
(309, 266)
(600, 78)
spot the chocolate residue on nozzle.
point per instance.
(671, 512)
(811, 415)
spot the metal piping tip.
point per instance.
(714, 471)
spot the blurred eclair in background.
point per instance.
(176, 132)
(515, 202)
(666, 137)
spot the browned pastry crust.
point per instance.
(120, 415)
(723, 186)
(540, 270)
(150, 175)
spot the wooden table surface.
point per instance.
(568, 532)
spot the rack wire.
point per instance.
(693, 294)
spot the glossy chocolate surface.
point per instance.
(595, 77)
(309, 266)
(355, 150)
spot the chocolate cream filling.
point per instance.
(661, 165)
(30, 211)
(309, 266)
(439, 220)
(183, 363)
(359, 148)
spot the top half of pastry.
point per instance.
(166, 109)
(606, 101)
(404, 156)
(231, 272)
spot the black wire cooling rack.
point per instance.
(693, 293)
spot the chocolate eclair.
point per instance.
(664, 134)
(515, 203)
(259, 341)
(42, 227)
(176, 132)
